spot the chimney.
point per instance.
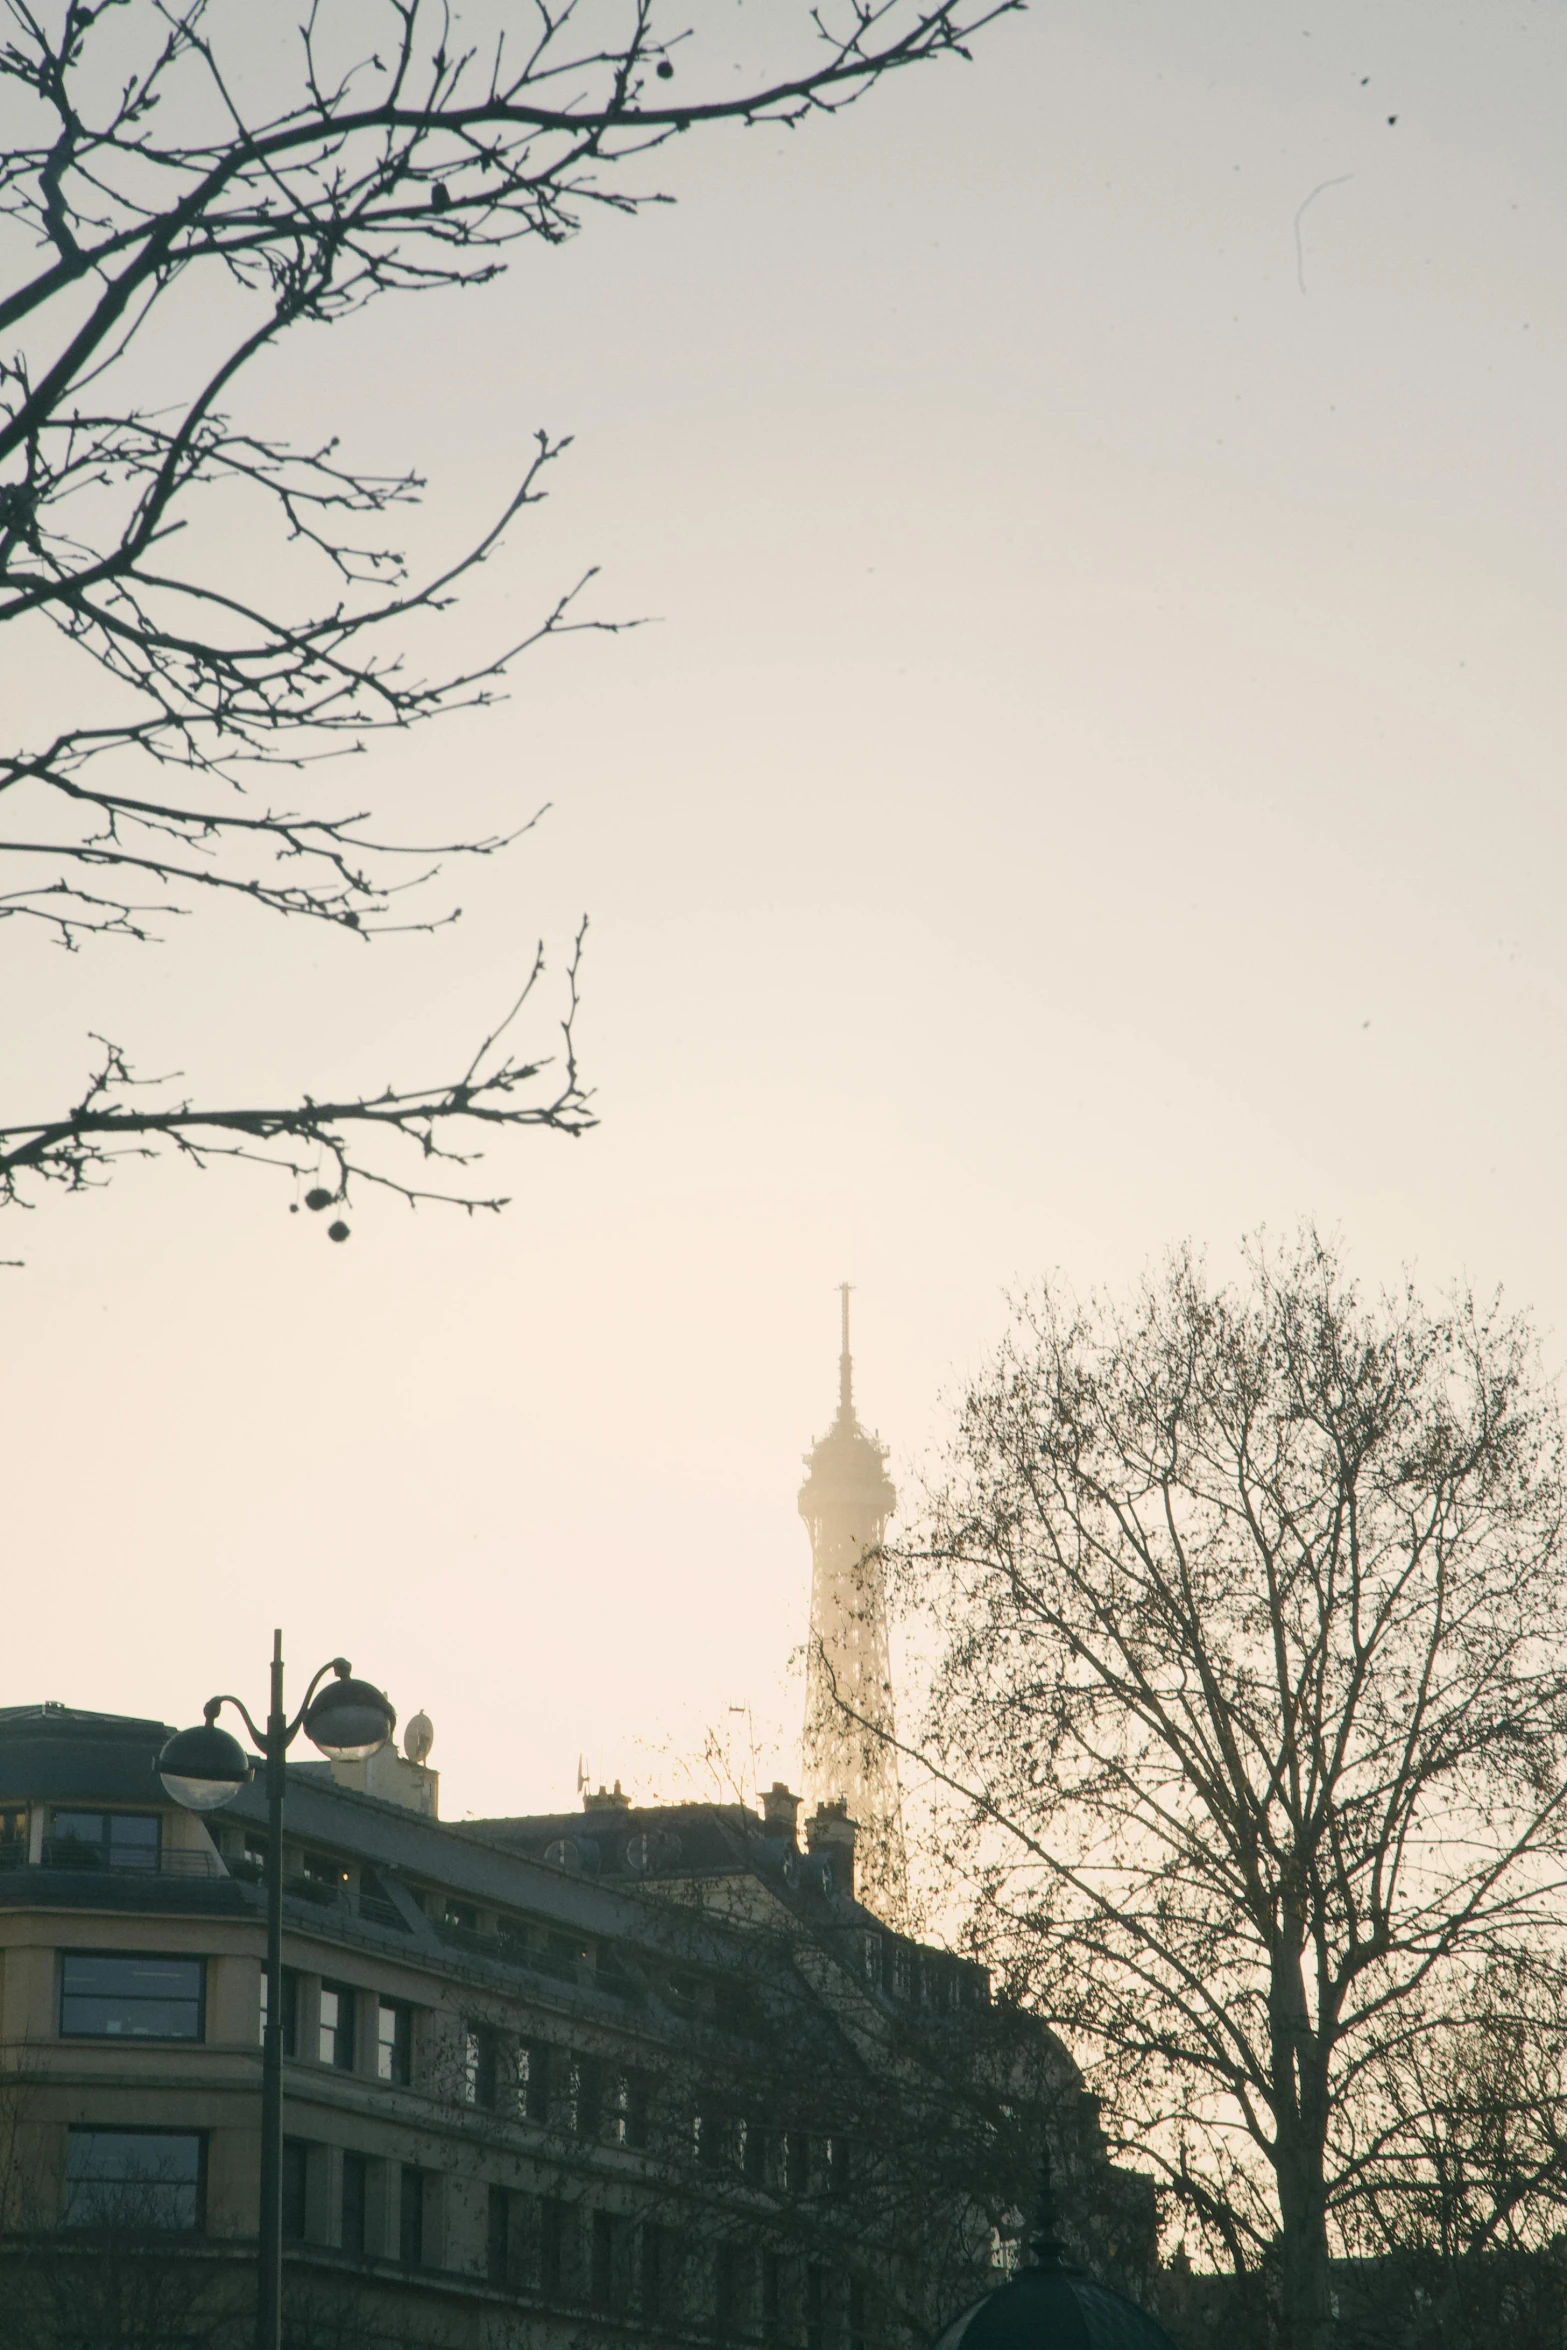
(391, 1778)
(780, 1814)
(830, 1831)
(605, 1800)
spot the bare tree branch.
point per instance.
(445, 1122)
(170, 214)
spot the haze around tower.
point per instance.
(850, 1714)
(1093, 779)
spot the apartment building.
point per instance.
(636, 2076)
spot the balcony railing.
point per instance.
(71, 1852)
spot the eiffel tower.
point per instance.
(846, 1501)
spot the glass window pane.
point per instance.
(133, 1839)
(337, 2025)
(76, 1839)
(133, 2179)
(139, 1996)
(97, 1839)
(87, 1826)
(290, 2010)
(394, 2042)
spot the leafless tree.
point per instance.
(116, 2280)
(1461, 2187)
(1249, 1713)
(181, 193)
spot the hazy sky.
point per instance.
(1095, 779)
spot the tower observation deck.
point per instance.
(846, 1501)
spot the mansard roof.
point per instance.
(61, 1753)
(53, 1753)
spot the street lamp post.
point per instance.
(203, 1769)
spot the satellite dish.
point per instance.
(418, 1738)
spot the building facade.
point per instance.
(634, 2076)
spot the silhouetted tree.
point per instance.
(182, 189)
(1249, 1712)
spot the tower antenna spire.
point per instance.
(849, 1751)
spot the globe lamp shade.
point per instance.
(203, 1768)
(350, 1719)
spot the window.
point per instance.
(394, 2042)
(516, 1938)
(554, 2247)
(13, 1836)
(601, 2267)
(588, 2095)
(296, 2179)
(840, 2164)
(815, 2307)
(497, 2252)
(638, 2109)
(772, 2296)
(609, 2276)
(558, 1954)
(714, 2139)
(481, 2067)
(615, 2108)
(322, 1871)
(732, 2288)
(797, 2163)
(754, 2152)
(102, 1840)
(610, 1973)
(938, 1983)
(655, 2279)
(134, 2179)
(533, 2080)
(356, 2200)
(106, 1995)
(410, 2218)
(335, 2027)
(290, 2010)
(859, 2315)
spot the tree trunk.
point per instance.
(1301, 2110)
(1308, 2307)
